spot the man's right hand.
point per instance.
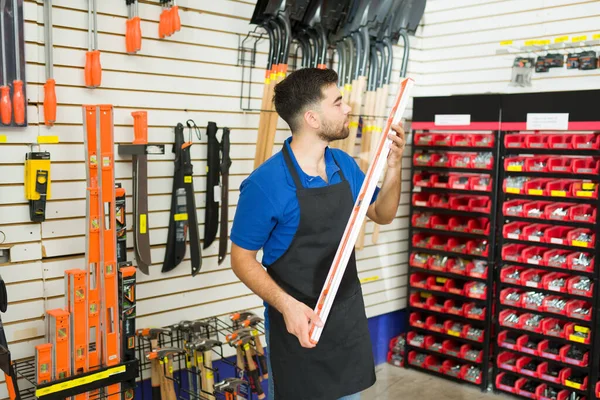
(299, 319)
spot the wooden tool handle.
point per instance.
(209, 376)
(261, 357)
(169, 388)
(253, 376)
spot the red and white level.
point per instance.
(344, 251)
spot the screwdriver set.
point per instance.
(12, 88)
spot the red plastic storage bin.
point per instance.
(480, 204)
(574, 238)
(421, 220)
(566, 359)
(536, 141)
(548, 307)
(422, 179)
(511, 208)
(536, 164)
(420, 200)
(480, 164)
(507, 361)
(534, 232)
(512, 252)
(416, 320)
(562, 395)
(470, 292)
(423, 139)
(479, 226)
(586, 166)
(526, 317)
(557, 234)
(465, 334)
(468, 312)
(514, 163)
(421, 240)
(450, 307)
(481, 183)
(432, 324)
(513, 230)
(454, 287)
(560, 141)
(514, 189)
(438, 242)
(437, 283)
(451, 348)
(577, 333)
(456, 246)
(556, 258)
(507, 271)
(514, 140)
(584, 189)
(535, 209)
(475, 272)
(410, 339)
(575, 262)
(412, 359)
(557, 211)
(457, 266)
(465, 349)
(451, 368)
(462, 140)
(416, 260)
(582, 213)
(528, 278)
(462, 160)
(536, 187)
(575, 385)
(422, 159)
(441, 181)
(418, 281)
(572, 289)
(499, 385)
(440, 160)
(559, 188)
(483, 140)
(533, 255)
(521, 363)
(416, 300)
(439, 222)
(438, 263)
(460, 182)
(439, 201)
(450, 328)
(586, 142)
(561, 165)
(553, 327)
(522, 345)
(463, 375)
(478, 247)
(549, 285)
(442, 140)
(504, 315)
(502, 340)
(435, 304)
(573, 305)
(458, 224)
(542, 372)
(544, 352)
(505, 292)
(460, 203)
(431, 341)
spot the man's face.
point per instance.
(334, 115)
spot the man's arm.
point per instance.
(298, 316)
(383, 210)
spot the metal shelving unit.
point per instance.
(446, 335)
(540, 335)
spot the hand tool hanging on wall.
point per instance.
(76, 305)
(213, 197)
(133, 32)
(121, 224)
(225, 165)
(185, 327)
(18, 95)
(37, 183)
(183, 209)
(152, 335)
(5, 100)
(58, 334)
(93, 68)
(127, 304)
(170, 21)
(252, 370)
(204, 349)
(165, 369)
(43, 363)
(250, 320)
(229, 387)
(50, 85)
(359, 212)
(5, 360)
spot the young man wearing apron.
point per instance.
(295, 207)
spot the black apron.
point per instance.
(342, 362)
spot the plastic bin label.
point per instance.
(513, 190)
(452, 119)
(558, 193)
(557, 121)
(538, 192)
(575, 338)
(515, 168)
(582, 329)
(583, 193)
(453, 333)
(588, 186)
(573, 385)
(579, 243)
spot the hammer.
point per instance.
(198, 326)
(186, 329)
(229, 387)
(253, 321)
(231, 338)
(166, 376)
(204, 361)
(152, 334)
(253, 377)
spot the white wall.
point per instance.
(194, 75)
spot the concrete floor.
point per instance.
(395, 383)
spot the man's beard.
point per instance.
(331, 133)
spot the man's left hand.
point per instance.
(397, 147)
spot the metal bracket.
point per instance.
(141, 149)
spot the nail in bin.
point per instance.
(451, 250)
(545, 296)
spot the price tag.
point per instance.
(596, 36)
(583, 193)
(425, 295)
(417, 189)
(506, 43)
(581, 38)
(533, 261)
(452, 119)
(513, 236)
(556, 241)
(441, 280)
(530, 42)
(531, 284)
(581, 329)
(577, 339)
(537, 121)
(561, 39)
(558, 193)
(579, 243)
(534, 238)
(554, 288)
(187, 179)
(513, 190)
(515, 168)
(2, 138)
(588, 186)
(453, 333)
(537, 192)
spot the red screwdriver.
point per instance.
(18, 99)
(5, 105)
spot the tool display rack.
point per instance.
(65, 388)
(218, 328)
(522, 343)
(419, 308)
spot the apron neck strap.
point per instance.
(288, 160)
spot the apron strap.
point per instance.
(294, 172)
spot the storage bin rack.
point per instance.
(539, 228)
(440, 293)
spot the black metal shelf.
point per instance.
(453, 169)
(422, 189)
(555, 152)
(454, 317)
(545, 291)
(583, 392)
(447, 211)
(550, 246)
(555, 175)
(575, 224)
(549, 269)
(542, 336)
(447, 295)
(544, 314)
(574, 200)
(451, 233)
(446, 336)
(449, 253)
(446, 274)
(469, 149)
(442, 355)
(544, 359)
(440, 375)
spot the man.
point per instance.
(295, 207)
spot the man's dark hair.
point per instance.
(299, 90)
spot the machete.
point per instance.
(5, 361)
(141, 237)
(183, 210)
(225, 165)
(211, 219)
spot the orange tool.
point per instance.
(75, 284)
(58, 331)
(43, 362)
(163, 28)
(133, 35)
(18, 97)
(175, 19)
(93, 69)
(5, 104)
(49, 87)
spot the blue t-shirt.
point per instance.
(268, 214)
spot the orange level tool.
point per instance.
(75, 285)
(58, 331)
(43, 362)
